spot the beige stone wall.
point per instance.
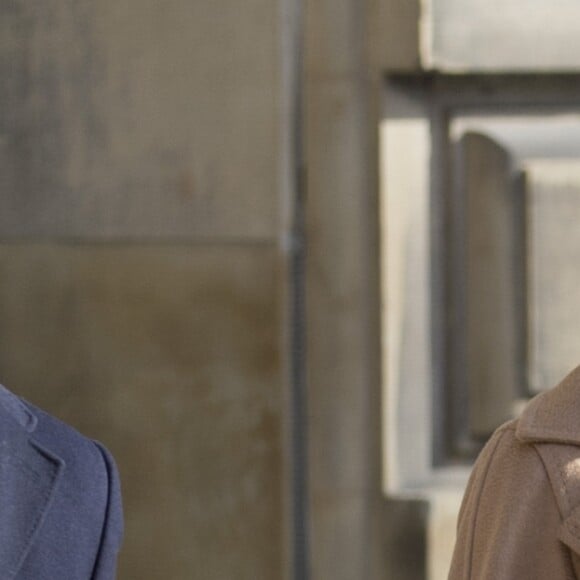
(140, 267)
(143, 284)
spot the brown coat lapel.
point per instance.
(520, 517)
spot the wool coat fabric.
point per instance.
(520, 516)
(60, 503)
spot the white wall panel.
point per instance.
(500, 35)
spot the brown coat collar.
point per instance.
(553, 416)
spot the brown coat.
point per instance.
(520, 517)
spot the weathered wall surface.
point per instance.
(139, 262)
(168, 355)
(139, 118)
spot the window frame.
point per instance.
(434, 461)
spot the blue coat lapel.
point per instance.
(29, 476)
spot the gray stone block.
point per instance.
(170, 355)
(139, 119)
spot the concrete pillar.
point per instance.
(342, 304)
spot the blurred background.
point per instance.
(292, 262)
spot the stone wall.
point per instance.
(140, 266)
(142, 147)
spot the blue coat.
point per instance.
(60, 502)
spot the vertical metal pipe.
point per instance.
(294, 246)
